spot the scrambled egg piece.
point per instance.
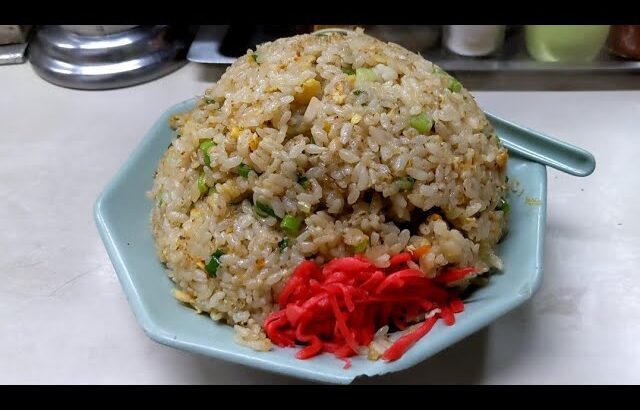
(235, 132)
(310, 88)
(254, 140)
(182, 296)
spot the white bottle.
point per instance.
(473, 40)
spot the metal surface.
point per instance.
(207, 45)
(205, 48)
(87, 30)
(13, 53)
(514, 58)
(411, 37)
(94, 62)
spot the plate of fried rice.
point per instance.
(333, 206)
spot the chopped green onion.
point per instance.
(254, 57)
(455, 85)
(361, 246)
(357, 92)
(204, 147)
(304, 182)
(244, 169)
(212, 190)
(421, 122)
(503, 206)
(348, 70)
(365, 74)
(202, 184)
(206, 143)
(283, 244)
(291, 224)
(405, 183)
(209, 100)
(438, 70)
(212, 266)
(263, 210)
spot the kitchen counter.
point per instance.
(64, 318)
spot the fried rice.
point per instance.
(363, 146)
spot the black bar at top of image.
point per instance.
(325, 12)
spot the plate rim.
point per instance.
(160, 335)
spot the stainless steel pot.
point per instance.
(86, 30)
(104, 57)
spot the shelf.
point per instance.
(515, 58)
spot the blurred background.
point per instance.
(562, 57)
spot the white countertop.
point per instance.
(64, 318)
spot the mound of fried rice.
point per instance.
(323, 128)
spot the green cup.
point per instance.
(565, 43)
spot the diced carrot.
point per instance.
(423, 250)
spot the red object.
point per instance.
(447, 315)
(456, 305)
(454, 275)
(400, 258)
(400, 346)
(338, 307)
(624, 40)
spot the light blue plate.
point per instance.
(122, 214)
